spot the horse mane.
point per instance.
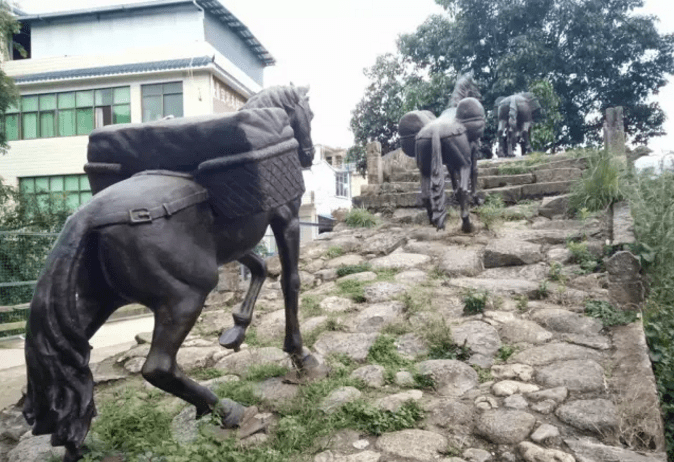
(286, 97)
(465, 87)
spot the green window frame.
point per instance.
(67, 113)
(73, 189)
(162, 100)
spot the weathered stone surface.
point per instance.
(313, 323)
(414, 444)
(477, 455)
(134, 365)
(504, 287)
(384, 244)
(432, 248)
(598, 342)
(410, 346)
(534, 273)
(345, 260)
(499, 317)
(626, 289)
(372, 375)
(383, 291)
(412, 277)
(481, 337)
(560, 255)
(394, 402)
(594, 415)
(509, 252)
(272, 324)
(544, 432)
(565, 321)
(510, 387)
(515, 402)
(524, 331)
(553, 352)
(35, 449)
(557, 394)
(400, 260)
(195, 357)
(347, 242)
(239, 362)
(365, 456)
(532, 453)
(326, 275)
(410, 216)
(404, 379)
(461, 261)
(577, 375)
(505, 426)
(592, 450)
(338, 398)
(451, 377)
(275, 391)
(451, 413)
(364, 277)
(521, 372)
(552, 206)
(334, 304)
(355, 346)
(544, 407)
(374, 317)
(623, 226)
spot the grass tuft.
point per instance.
(475, 301)
(608, 314)
(360, 218)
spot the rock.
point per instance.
(409, 216)
(505, 426)
(553, 352)
(374, 317)
(317, 266)
(481, 337)
(460, 261)
(139, 351)
(310, 324)
(410, 346)
(510, 252)
(591, 450)
(533, 273)
(499, 317)
(411, 277)
(254, 422)
(521, 372)
(394, 402)
(134, 365)
(349, 243)
(451, 377)
(477, 455)
(404, 379)
(414, 444)
(400, 260)
(558, 395)
(510, 387)
(306, 279)
(577, 375)
(485, 403)
(326, 275)
(506, 287)
(35, 449)
(544, 407)
(273, 266)
(275, 391)
(524, 331)
(598, 342)
(239, 363)
(560, 255)
(545, 432)
(556, 205)
(355, 346)
(452, 414)
(345, 260)
(143, 337)
(197, 357)
(338, 398)
(515, 402)
(185, 426)
(365, 456)
(565, 321)
(334, 304)
(384, 244)
(212, 384)
(383, 291)
(595, 415)
(372, 375)
(532, 453)
(364, 276)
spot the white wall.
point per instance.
(321, 180)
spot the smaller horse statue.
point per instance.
(516, 114)
(453, 139)
(175, 199)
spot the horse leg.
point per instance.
(173, 321)
(463, 192)
(233, 337)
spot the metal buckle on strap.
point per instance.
(139, 216)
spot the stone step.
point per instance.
(513, 194)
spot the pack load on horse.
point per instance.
(516, 114)
(175, 200)
(452, 139)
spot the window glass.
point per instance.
(47, 102)
(173, 105)
(66, 100)
(103, 97)
(29, 125)
(12, 127)
(42, 184)
(74, 189)
(12, 108)
(85, 121)
(29, 103)
(151, 108)
(84, 183)
(85, 196)
(27, 185)
(72, 183)
(72, 201)
(56, 184)
(84, 98)
(151, 90)
(67, 122)
(121, 95)
(47, 125)
(103, 116)
(176, 87)
(121, 114)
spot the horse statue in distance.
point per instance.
(157, 238)
(516, 114)
(452, 139)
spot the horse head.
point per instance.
(300, 120)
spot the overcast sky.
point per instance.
(326, 44)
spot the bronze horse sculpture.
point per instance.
(516, 114)
(452, 139)
(157, 238)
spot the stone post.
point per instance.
(614, 132)
(625, 287)
(375, 172)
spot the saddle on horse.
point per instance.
(247, 160)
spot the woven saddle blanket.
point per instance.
(247, 160)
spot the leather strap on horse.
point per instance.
(147, 215)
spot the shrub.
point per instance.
(582, 256)
(352, 269)
(608, 314)
(475, 301)
(360, 218)
(600, 185)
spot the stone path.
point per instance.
(543, 383)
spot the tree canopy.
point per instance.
(595, 54)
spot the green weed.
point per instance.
(600, 185)
(542, 292)
(608, 314)
(334, 251)
(260, 372)
(310, 306)
(505, 352)
(385, 353)
(555, 273)
(522, 303)
(492, 212)
(441, 344)
(352, 289)
(483, 375)
(352, 269)
(206, 373)
(475, 301)
(360, 218)
(583, 257)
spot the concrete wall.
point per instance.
(321, 181)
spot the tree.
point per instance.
(543, 132)
(595, 54)
(8, 93)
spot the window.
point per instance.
(74, 189)
(162, 100)
(67, 114)
(342, 184)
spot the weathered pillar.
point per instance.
(614, 131)
(625, 287)
(375, 172)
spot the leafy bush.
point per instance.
(352, 269)
(600, 185)
(583, 257)
(360, 218)
(608, 314)
(475, 301)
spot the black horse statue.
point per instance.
(453, 139)
(516, 114)
(157, 238)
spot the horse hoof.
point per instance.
(233, 337)
(467, 227)
(230, 412)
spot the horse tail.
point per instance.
(437, 192)
(59, 400)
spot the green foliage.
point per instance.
(542, 292)
(416, 300)
(475, 301)
(206, 373)
(491, 212)
(608, 314)
(357, 154)
(310, 305)
(600, 185)
(483, 375)
(367, 418)
(544, 133)
(260, 372)
(583, 257)
(522, 303)
(441, 345)
(505, 352)
(555, 272)
(384, 352)
(355, 290)
(353, 269)
(9, 94)
(334, 251)
(360, 218)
